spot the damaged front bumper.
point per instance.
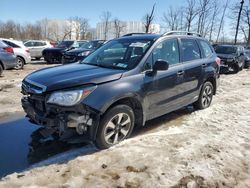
(65, 121)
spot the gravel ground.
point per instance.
(209, 148)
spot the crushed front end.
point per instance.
(63, 120)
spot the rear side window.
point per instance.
(11, 44)
(207, 51)
(190, 50)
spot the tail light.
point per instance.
(217, 60)
(9, 49)
(27, 50)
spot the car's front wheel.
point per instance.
(205, 97)
(116, 125)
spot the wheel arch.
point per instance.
(22, 58)
(213, 81)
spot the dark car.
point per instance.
(54, 55)
(83, 51)
(121, 85)
(247, 58)
(7, 57)
(232, 57)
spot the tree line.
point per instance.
(207, 17)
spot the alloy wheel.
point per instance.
(117, 128)
(207, 96)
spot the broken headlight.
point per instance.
(70, 98)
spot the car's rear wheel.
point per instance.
(205, 97)
(116, 125)
(1, 69)
(235, 68)
(20, 63)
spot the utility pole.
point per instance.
(238, 21)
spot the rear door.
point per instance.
(194, 67)
(164, 88)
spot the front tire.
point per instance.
(116, 125)
(1, 69)
(20, 63)
(205, 97)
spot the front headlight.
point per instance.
(84, 53)
(70, 98)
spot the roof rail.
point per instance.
(131, 34)
(181, 32)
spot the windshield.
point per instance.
(65, 44)
(119, 54)
(91, 45)
(226, 49)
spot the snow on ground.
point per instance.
(211, 148)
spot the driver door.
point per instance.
(163, 89)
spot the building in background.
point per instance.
(115, 30)
(56, 30)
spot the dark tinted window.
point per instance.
(11, 44)
(65, 44)
(29, 44)
(207, 51)
(2, 45)
(167, 50)
(190, 50)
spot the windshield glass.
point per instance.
(119, 54)
(226, 49)
(65, 44)
(91, 45)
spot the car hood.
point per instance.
(77, 51)
(226, 56)
(72, 75)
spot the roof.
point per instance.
(141, 36)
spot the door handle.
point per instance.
(180, 73)
(204, 65)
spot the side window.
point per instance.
(190, 50)
(29, 44)
(167, 50)
(207, 51)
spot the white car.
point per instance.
(22, 52)
(36, 47)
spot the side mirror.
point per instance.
(160, 65)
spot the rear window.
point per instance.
(11, 44)
(190, 50)
(207, 51)
(65, 44)
(2, 45)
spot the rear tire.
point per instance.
(205, 97)
(1, 69)
(20, 63)
(116, 125)
(236, 68)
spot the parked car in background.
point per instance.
(247, 58)
(36, 47)
(22, 52)
(232, 57)
(54, 55)
(81, 42)
(7, 57)
(83, 51)
(121, 85)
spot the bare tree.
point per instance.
(148, 19)
(216, 10)
(172, 18)
(118, 26)
(190, 13)
(203, 16)
(222, 20)
(105, 17)
(82, 26)
(246, 22)
(238, 21)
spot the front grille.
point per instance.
(38, 103)
(28, 87)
